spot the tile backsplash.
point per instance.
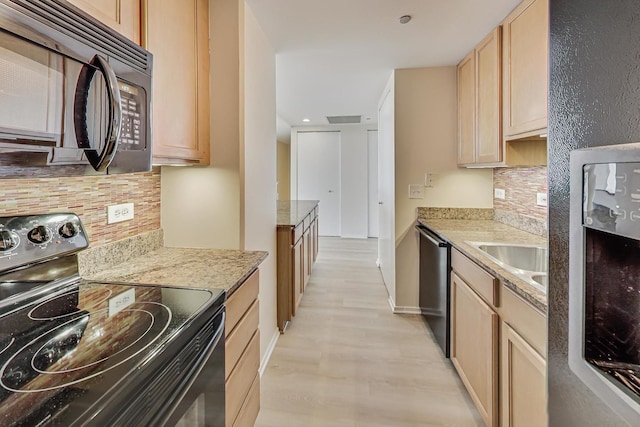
(88, 197)
(521, 185)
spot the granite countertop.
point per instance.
(292, 212)
(458, 231)
(192, 268)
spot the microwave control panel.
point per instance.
(611, 197)
(132, 135)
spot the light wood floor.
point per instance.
(346, 360)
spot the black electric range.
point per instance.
(74, 352)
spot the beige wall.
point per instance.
(232, 203)
(425, 141)
(284, 171)
(201, 205)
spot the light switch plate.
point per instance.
(119, 213)
(499, 193)
(416, 191)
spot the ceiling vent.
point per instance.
(344, 120)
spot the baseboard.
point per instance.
(406, 310)
(392, 304)
(269, 352)
(403, 310)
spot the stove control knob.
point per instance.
(68, 230)
(6, 241)
(39, 235)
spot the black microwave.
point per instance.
(75, 96)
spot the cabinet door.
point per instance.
(316, 227)
(466, 109)
(121, 15)
(526, 32)
(308, 256)
(474, 348)
(489, 99)
(524, 394)
(178, 36)
(298, 274)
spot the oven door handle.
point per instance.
(100, 161)
(194, 372)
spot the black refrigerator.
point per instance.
(594, 100)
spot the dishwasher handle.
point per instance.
(432, 237)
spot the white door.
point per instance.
(319, 176)
(372, 141)
(386, 193)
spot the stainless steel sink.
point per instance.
(529, 262)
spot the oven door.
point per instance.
(203, 401)
(182, 386)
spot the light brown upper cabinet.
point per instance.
(526, 47)
(123, 16)
(177, 33)
(466, 109)
(479, 103)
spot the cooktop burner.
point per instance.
(74, 352)
(86, 337)
(82, 344)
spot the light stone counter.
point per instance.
(292, 212)
(143, 260)
(458, 231)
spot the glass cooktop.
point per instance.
(63, 353)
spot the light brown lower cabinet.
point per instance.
(474, 347)
(497, 345)
(524, 396)
(297, 249)
(242, 355)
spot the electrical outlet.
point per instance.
(119, 213)
(499, 193)
(428, 179)
(416, 191)
(541, 199)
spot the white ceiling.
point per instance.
(334, 57)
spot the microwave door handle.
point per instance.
(99, 161)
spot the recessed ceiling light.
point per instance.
(404, 19)
(306, 120)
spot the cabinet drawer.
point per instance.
(250, 407)
(482, 282)
(240, 380)
(240, 301)
(237, 341)
(526, 320)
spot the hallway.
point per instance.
(347, 361)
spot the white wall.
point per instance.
(353, 175)
(259, 161)
(234, 199)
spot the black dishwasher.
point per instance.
(435, 272)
